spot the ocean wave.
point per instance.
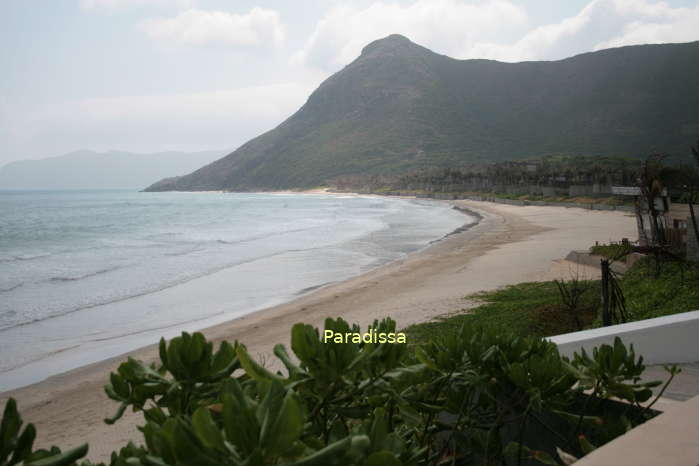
(312, 288)
(32, 257)
(7, 290)
(157, 328)
(28, 257)
(35, 358)
(152, 290)
(87, 275)
(265, 236)
(201, 245)
(184, 252)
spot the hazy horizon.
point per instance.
(86, 169)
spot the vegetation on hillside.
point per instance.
(400, 107)
(476, 397)
(549, 177)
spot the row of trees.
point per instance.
(558, 171)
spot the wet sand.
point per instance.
(511, 244)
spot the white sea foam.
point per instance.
(90, 274)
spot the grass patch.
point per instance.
(675, 291)
(524, 309)
(536, 308)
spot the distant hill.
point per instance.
(89, 169)
(401, 107)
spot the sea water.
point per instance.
(86, 275)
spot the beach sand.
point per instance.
(510, 245)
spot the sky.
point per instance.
(155, 75)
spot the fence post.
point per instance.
(606, 315)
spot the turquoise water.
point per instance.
(85, 275)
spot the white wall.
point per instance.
(668, 339)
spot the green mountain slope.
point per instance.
(400, 107)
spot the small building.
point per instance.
(673, 219)
(680, 224)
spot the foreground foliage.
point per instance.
(477, 397)
(675, 290)
(17, 444)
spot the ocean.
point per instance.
(87, 275)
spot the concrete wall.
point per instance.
(585, 258)
(663, 340)
(598, 188)
(580, 190)
(552, 191)
(671, 438)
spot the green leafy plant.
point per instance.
(16, 444)
(473, 397)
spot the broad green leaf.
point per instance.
(379, 428)
(120, 412)
(304, 342)
(254, 370)
(268, 412)
(206, 429)
(327, 455)
(293, 369)
(287, 428)
(9, 428)
(24, 444)
(62, 459)
(239, 421)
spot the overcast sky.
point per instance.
(152, 75)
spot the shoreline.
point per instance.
(48, 362)
(89, 349)
(510, 244)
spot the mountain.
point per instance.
(400, 106)
(89, 169)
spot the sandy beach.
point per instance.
(510, 245)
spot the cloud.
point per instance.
(259, 27)
(496, 29)
(681, 25)
(451, 27)
(600, 24)
(217, 119)
(124, 4)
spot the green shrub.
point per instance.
(476, 397)
(17, 445)
(675, 290)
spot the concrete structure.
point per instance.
(581, 190)
(663, 340)
(585, 258)
(672, 438)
